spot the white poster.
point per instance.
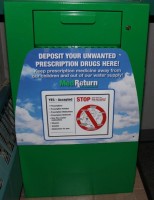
(77, 115)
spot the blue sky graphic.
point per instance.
(29, 95)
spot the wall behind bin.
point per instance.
(148, 105)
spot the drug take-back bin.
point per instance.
(77, 75)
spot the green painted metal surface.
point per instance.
(77, 169)
(62, 24)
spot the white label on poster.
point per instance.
(77, 114)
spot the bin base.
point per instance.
(72, 170)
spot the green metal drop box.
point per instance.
(77, 169)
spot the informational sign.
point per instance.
(90, 113)
(76, 96)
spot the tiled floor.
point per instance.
(138, 194)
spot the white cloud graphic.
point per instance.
(27, 71)
(29, 106)
(126, 102)
(125, 137)
(29, 138)
(64, 142)
(18, 101)
(123, 121)
(26, 104)
(33, 138)
(25, 121)
(125, 94)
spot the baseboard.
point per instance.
(1, 18)
(146, 135)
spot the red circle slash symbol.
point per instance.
(91, 117)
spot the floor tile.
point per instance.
(49, 198)
(105, 197)
(126, 196)
(140, 195)
(138, 182)
(86, 197)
